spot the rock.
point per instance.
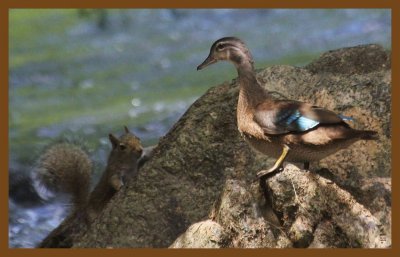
(202, 171)
(317, 200)
(22, 190)
(352, 60)
(323, 236)
(204, 234)
(244, 211)
(241, 218)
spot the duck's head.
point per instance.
(228, 49)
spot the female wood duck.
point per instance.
(284, 129)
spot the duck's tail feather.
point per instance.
(368, 135)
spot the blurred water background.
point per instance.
(81, 74)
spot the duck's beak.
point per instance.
(208, 61)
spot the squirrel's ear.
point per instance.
(126, 130)
(114, 141)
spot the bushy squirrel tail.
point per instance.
(67, 168)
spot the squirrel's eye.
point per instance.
(122, 146)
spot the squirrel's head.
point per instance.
(126, 146)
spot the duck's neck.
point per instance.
(251, 93)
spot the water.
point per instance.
(70, 76)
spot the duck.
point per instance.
(287, 130)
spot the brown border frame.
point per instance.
(5, 5)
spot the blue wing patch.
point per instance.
(294, 121)
(292, 117)
(303, 123)
(291, 120)
(346, 117)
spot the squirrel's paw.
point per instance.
(116, 182)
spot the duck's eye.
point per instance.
(220, 47)
(122, 146)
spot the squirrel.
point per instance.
(67, 168)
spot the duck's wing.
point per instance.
(285, 116)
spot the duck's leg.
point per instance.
(278, 163)
(306, 165)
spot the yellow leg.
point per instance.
(277, 164)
